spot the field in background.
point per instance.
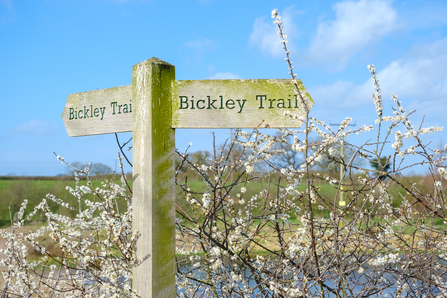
(14, 190)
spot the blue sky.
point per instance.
(51, 48)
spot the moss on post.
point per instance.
(153, 172)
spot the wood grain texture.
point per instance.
(99, 112)
(153, 173)
(206, 104)
(237, 103)
(152, 107)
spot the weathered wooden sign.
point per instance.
(152, 107)
(99, 112)
(235, 103)
(195, 104)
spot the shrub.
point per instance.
(269, 231)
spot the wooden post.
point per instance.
(153, 174)
(152, 108)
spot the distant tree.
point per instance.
(94, 169)
(289, 157)
(329, 163)
(381, 165)
(73, 167)
(237, 152)
(100, 169)
(200, 157)
(197, 158)
(332, 157)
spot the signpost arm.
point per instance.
(148, 109)
(153, 174)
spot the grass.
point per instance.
(14, 191)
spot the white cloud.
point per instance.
(420, 73)
(331, 95)
(194, 49)
(356, 24)
(265, 37)
(201, 45)
(432, 15)
(7, 12)
(418, 78)
(224, 76)
(7, 4)
(36, 128)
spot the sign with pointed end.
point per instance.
(195, 104)
(236, 103)
(99, 112)
(152, 108)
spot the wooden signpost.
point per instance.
(152, 108)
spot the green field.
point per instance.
(14, 191)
